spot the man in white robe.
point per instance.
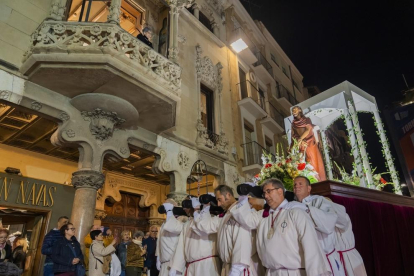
(324, 217)
(196, 252)
(168, 238)
(345, 244)
(233, 241)
(286, 238)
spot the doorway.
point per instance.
(30, 224)
(126, 214)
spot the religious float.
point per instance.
(382, 221)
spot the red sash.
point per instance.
(341, 257)
(188, 264)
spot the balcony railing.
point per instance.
(276, 115)
(261, 60)
(213, 137)
(282, 92)
(253, 154)
(254, 93)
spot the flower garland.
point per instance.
(285, 168)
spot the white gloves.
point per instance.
(195, 202)
(158, 263)
(236, 270)
(242, 200)
(168, 208)
(206, 210)
(172, 272)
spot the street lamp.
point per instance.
(198, 170)
(237, 42)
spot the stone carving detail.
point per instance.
(103, 123)
(124, 150)
(114, 11)
(216, 5)
(36, 105)
(155, 222)
(182, 39)
(209, 73)
(88, 179)
(183, 160)
(4, 95)
(58, 9)
(64, 116)
(100, 214)
(178, 197)
(70, 133)
(223, 144)
(105, 38)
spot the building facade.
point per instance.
(85, 103)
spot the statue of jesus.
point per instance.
(302, 131)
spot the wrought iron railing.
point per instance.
(261, 60)
(213, 137)
(254, 93)
(253, 153)
(276, 115)
(282, 92)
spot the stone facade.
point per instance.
(136, 97)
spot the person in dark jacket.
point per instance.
(47, 245)
(150, 263)
(19, 253)
(5, 248)
(121, 249)
(146, 36)
(66, 252)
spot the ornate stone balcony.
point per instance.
(74, 58)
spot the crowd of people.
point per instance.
(260, 233)
(13, 250)
(310, 235)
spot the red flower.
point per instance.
(280, 164)
(256, 176)
(268, 165)
(301, 166)
(383, 181)
(288, 160)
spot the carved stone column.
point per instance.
(214, 25)
(86, 183)
(114, 12)
(95, 131)
(57, 10)
(196, 11)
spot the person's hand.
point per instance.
(168, 206)
(144, 250)
(158, 263)
(75, 261)
(145, 269)
(172, 272)
(109, 232)
(115, 241)
(195, 202)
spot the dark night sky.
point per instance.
(369, 43)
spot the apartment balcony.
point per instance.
(73, 58)
(252, 162)
(284, 97)
(252, 102)
(275, 120)
(263, 69)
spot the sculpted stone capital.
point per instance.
(88, 179)
(178, 197)
(155, 222)
(100, 214)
